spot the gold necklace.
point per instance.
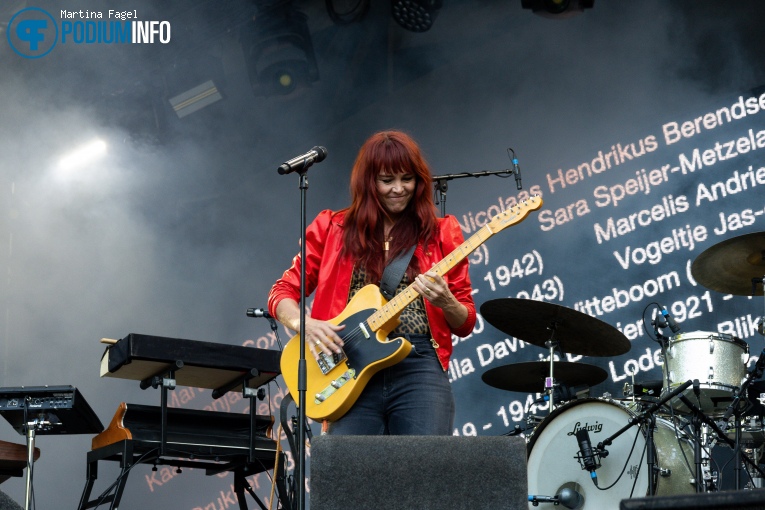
(387, 239)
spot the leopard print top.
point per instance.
(414, 320)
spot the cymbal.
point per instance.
(530, 376)
(730, 265)
(576, 332)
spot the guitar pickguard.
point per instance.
(361, 349)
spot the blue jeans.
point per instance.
(413, 397)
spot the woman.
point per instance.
(391, 209)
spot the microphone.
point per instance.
(258, 312)
(674, 326)
(569, 498)
(586, 456)
(303, 161)
(517, 172)
(516, 168)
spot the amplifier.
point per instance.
(61, 409)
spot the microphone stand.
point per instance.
(302, 374)
(637, 419)
(732, 409)
(698, 417)
(441, 183)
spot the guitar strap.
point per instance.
(394, 272)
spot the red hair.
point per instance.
(393, 152)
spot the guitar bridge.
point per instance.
(327, 362)
(334, 386)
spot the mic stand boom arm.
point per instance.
(441, 183)
(607, 441)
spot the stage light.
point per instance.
(557, 9)
(83, 155)
(415, 15)
(279, 53)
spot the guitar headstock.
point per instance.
(515, 214)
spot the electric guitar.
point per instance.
(334, 382)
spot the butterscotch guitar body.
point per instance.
(330, 395)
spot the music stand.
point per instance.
(33, 410)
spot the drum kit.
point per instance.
(594, 452)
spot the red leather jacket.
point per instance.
(329, 275)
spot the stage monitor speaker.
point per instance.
(423, 472)
(727, 500)
(6, 503)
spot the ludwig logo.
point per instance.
(596, 427)
(32, 32)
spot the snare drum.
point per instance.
(553, 447)
(717, 360)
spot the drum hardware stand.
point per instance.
(755, 373)
(761, 321)
(755, 476)
(552, 345)
(700, 416)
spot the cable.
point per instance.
(124, 473)
(640, 464)
(626, 463)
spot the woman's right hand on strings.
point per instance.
(322, 336)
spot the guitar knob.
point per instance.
(335, 384)
(320, 397)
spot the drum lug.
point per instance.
(711, 373)
(664, 472)
(711, 346)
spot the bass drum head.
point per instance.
(553, 447)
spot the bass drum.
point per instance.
(553, 448)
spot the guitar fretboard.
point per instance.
(405, 297)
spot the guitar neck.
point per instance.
(405, 297)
